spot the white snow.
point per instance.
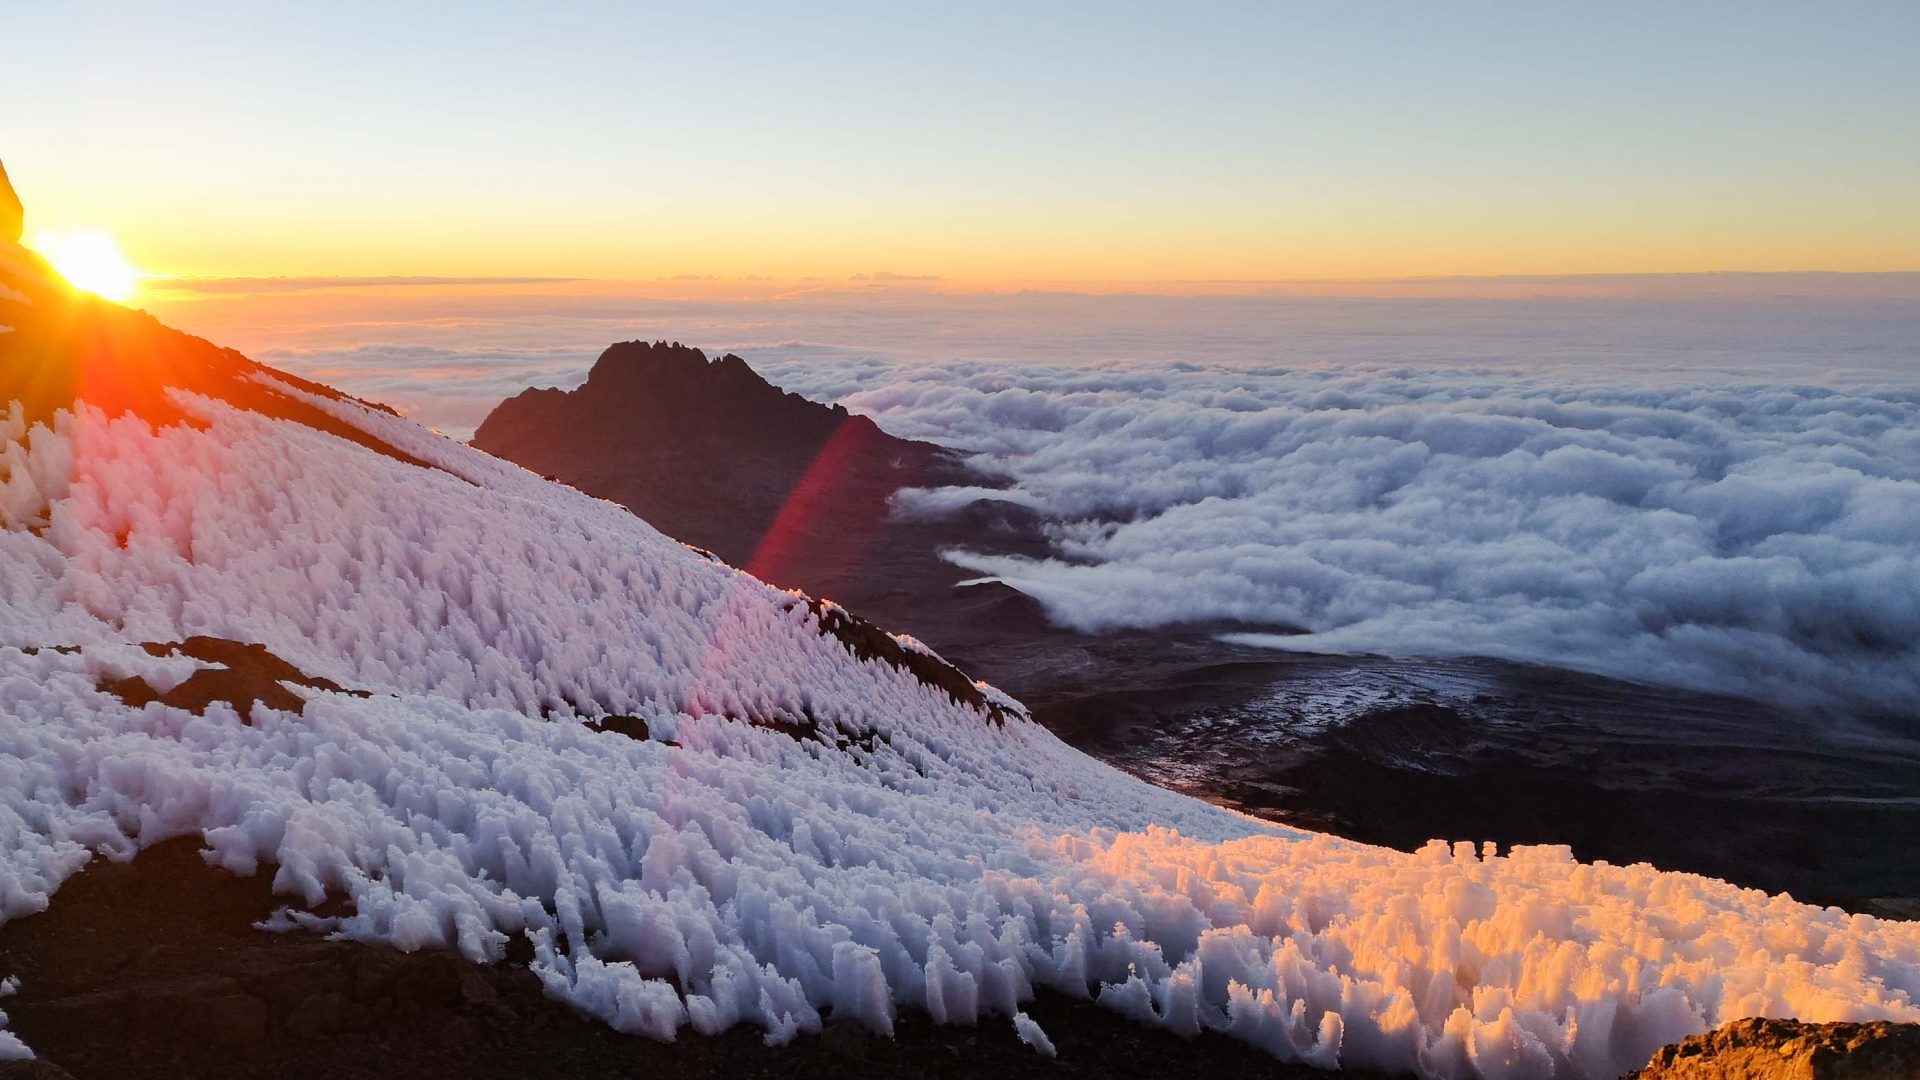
(914, 645)
(1031, 1033)
(727, 873)
(11, 1048)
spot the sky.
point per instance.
(983, 145)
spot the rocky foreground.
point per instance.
(1759, 1049)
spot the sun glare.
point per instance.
(90, 261)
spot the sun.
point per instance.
(90, 261)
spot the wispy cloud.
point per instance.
(304, 284)
(887, 277)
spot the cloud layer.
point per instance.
(1755, 538)
(1712, 493)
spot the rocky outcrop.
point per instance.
(239, 674)
(712, 454)
(12, 215)
(1762, 1049)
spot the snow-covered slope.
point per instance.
(708, 802)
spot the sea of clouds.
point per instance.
(1722, 494)
(1760, 539)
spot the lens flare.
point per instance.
(90, 261)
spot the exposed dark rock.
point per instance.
(249, 674)
(868, 642)
(714, 455)
(633, 727)
(34, 1069)
(1762, 1049)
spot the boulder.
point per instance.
(1762, 1049)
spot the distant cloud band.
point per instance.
(303, 284)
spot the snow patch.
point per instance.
(1030, 1033)
(11, 1048)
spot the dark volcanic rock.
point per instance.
(1760, 1049)
(868, 642)
(245, 675)
(713, 455)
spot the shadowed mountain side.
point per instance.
(1398, 751)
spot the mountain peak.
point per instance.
(711, 452)
(662, 367)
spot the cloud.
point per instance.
(303, 284)
(1753, 538)
(887, 277)
(445, 389)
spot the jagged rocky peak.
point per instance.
(665, 367)
(664, 382)
(13, 216)
(668, 361)
(708, 450)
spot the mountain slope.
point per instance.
(512, 715)
(798, 493)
